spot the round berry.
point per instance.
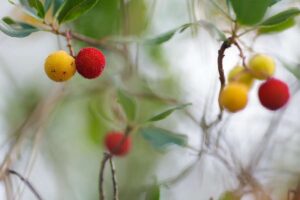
(60, 66)
(90, 62)
(273, 94)
(234, 97)
(262, 66)
(241, 75)
(117, 143)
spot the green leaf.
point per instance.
(166, 113)
(163, 37)
(128, 104)
(278, 27)
(161, 138)
(229, 195)
(73, 9)
(295, 70)
(57, 4)
(281, 17)
(35, 7)
(153, 193)
(47, 5)
(16, 29)
(250, 12)
(211, 28)
(274, 2)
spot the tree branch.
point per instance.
(27, 183)
(106, 157)
(114, 179)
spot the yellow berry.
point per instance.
(234, 97)
(60, 66)
(241, 75)
(262, 66)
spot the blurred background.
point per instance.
(63, 147)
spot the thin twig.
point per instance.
(27, 183)
(69, 42)
(114, 179)
(106, 157)
(221, 53)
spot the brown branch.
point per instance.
(69, 42)
(221, 53)
(27, 183)
(114, 179)
(106, 157)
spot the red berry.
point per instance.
(273, 94)
(117, 143)
(90, 62)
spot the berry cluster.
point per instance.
(273, 93)
(60, 66)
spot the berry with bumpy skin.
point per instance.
(240, 75)
(234, 97)
(273, 94)
(117, 143)
(60, 66)
(90, 62)
(262, 66)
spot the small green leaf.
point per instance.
(16, 29)
(213, 30)
(250, 12)
(128, 104)
(12, 2)
(281, 17)
(166, 113)
(153, 193)
(295, 70)
(278, 27)
(273, 2)
(73, 9)
(162, 38)
(161, 138)
(34, 7)
(229, 195)
(47, 4)
(57, 4)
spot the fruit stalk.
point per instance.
(106, 157)
(221, 53)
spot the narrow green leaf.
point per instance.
(213, 30)
(47, 5)
(153, 193)
(166, 113)
(295, 70)
(161, 138)
(12, 2)
(34, 8)
(16, 29)
(57, 4)
(281, 17)
(273, 2)
(38, 6)
(229, 195)
(162, 38)
(278, 27)
(128, 104)
(250, 12)
(73, 9)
